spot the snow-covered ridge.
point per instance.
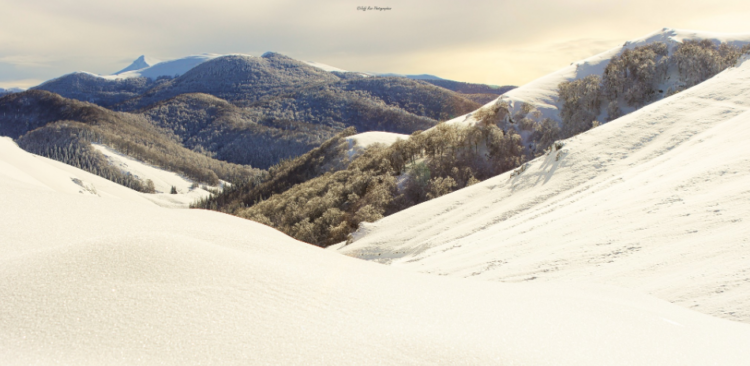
(325, 67)
(114, 279)
(139, 64)
(164, 68)
(543, 94)
(655, 201)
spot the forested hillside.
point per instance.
(63, 129)
(385, 179)
(262, 110)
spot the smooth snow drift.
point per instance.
(657, 201)
(112, 279)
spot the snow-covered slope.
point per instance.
(63, 178)
(366, 139)
(657, 201)
(165, 68)
(325, 67)
(163, 180)
(543, 94)
(111, 280)
(140, 63)
(359, 142)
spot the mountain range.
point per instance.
(258, 111)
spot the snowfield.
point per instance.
(657, 201)
(110, 278)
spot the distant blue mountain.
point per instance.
(416, 77)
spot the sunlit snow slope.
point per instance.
(366, 139)
(163, 180)
(111, 279)
(657, 201)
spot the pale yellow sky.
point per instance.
(495, 42)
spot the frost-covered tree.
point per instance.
(698, 61)
(635, 74)
(581, 103)
(150, 188)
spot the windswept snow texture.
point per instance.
(115, 280)
(657, 201)
(543, 94)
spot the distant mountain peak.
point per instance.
(141, 62)
(415, 77)
(271, 54)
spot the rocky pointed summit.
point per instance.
(141, 62)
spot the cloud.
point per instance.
(26, 60)
(469, 41)
(21, 83)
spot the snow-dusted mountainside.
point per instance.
(543, 92)
(656, 201)
(153, 68)
(10, 90)
(109, 278)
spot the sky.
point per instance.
(499, 42)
